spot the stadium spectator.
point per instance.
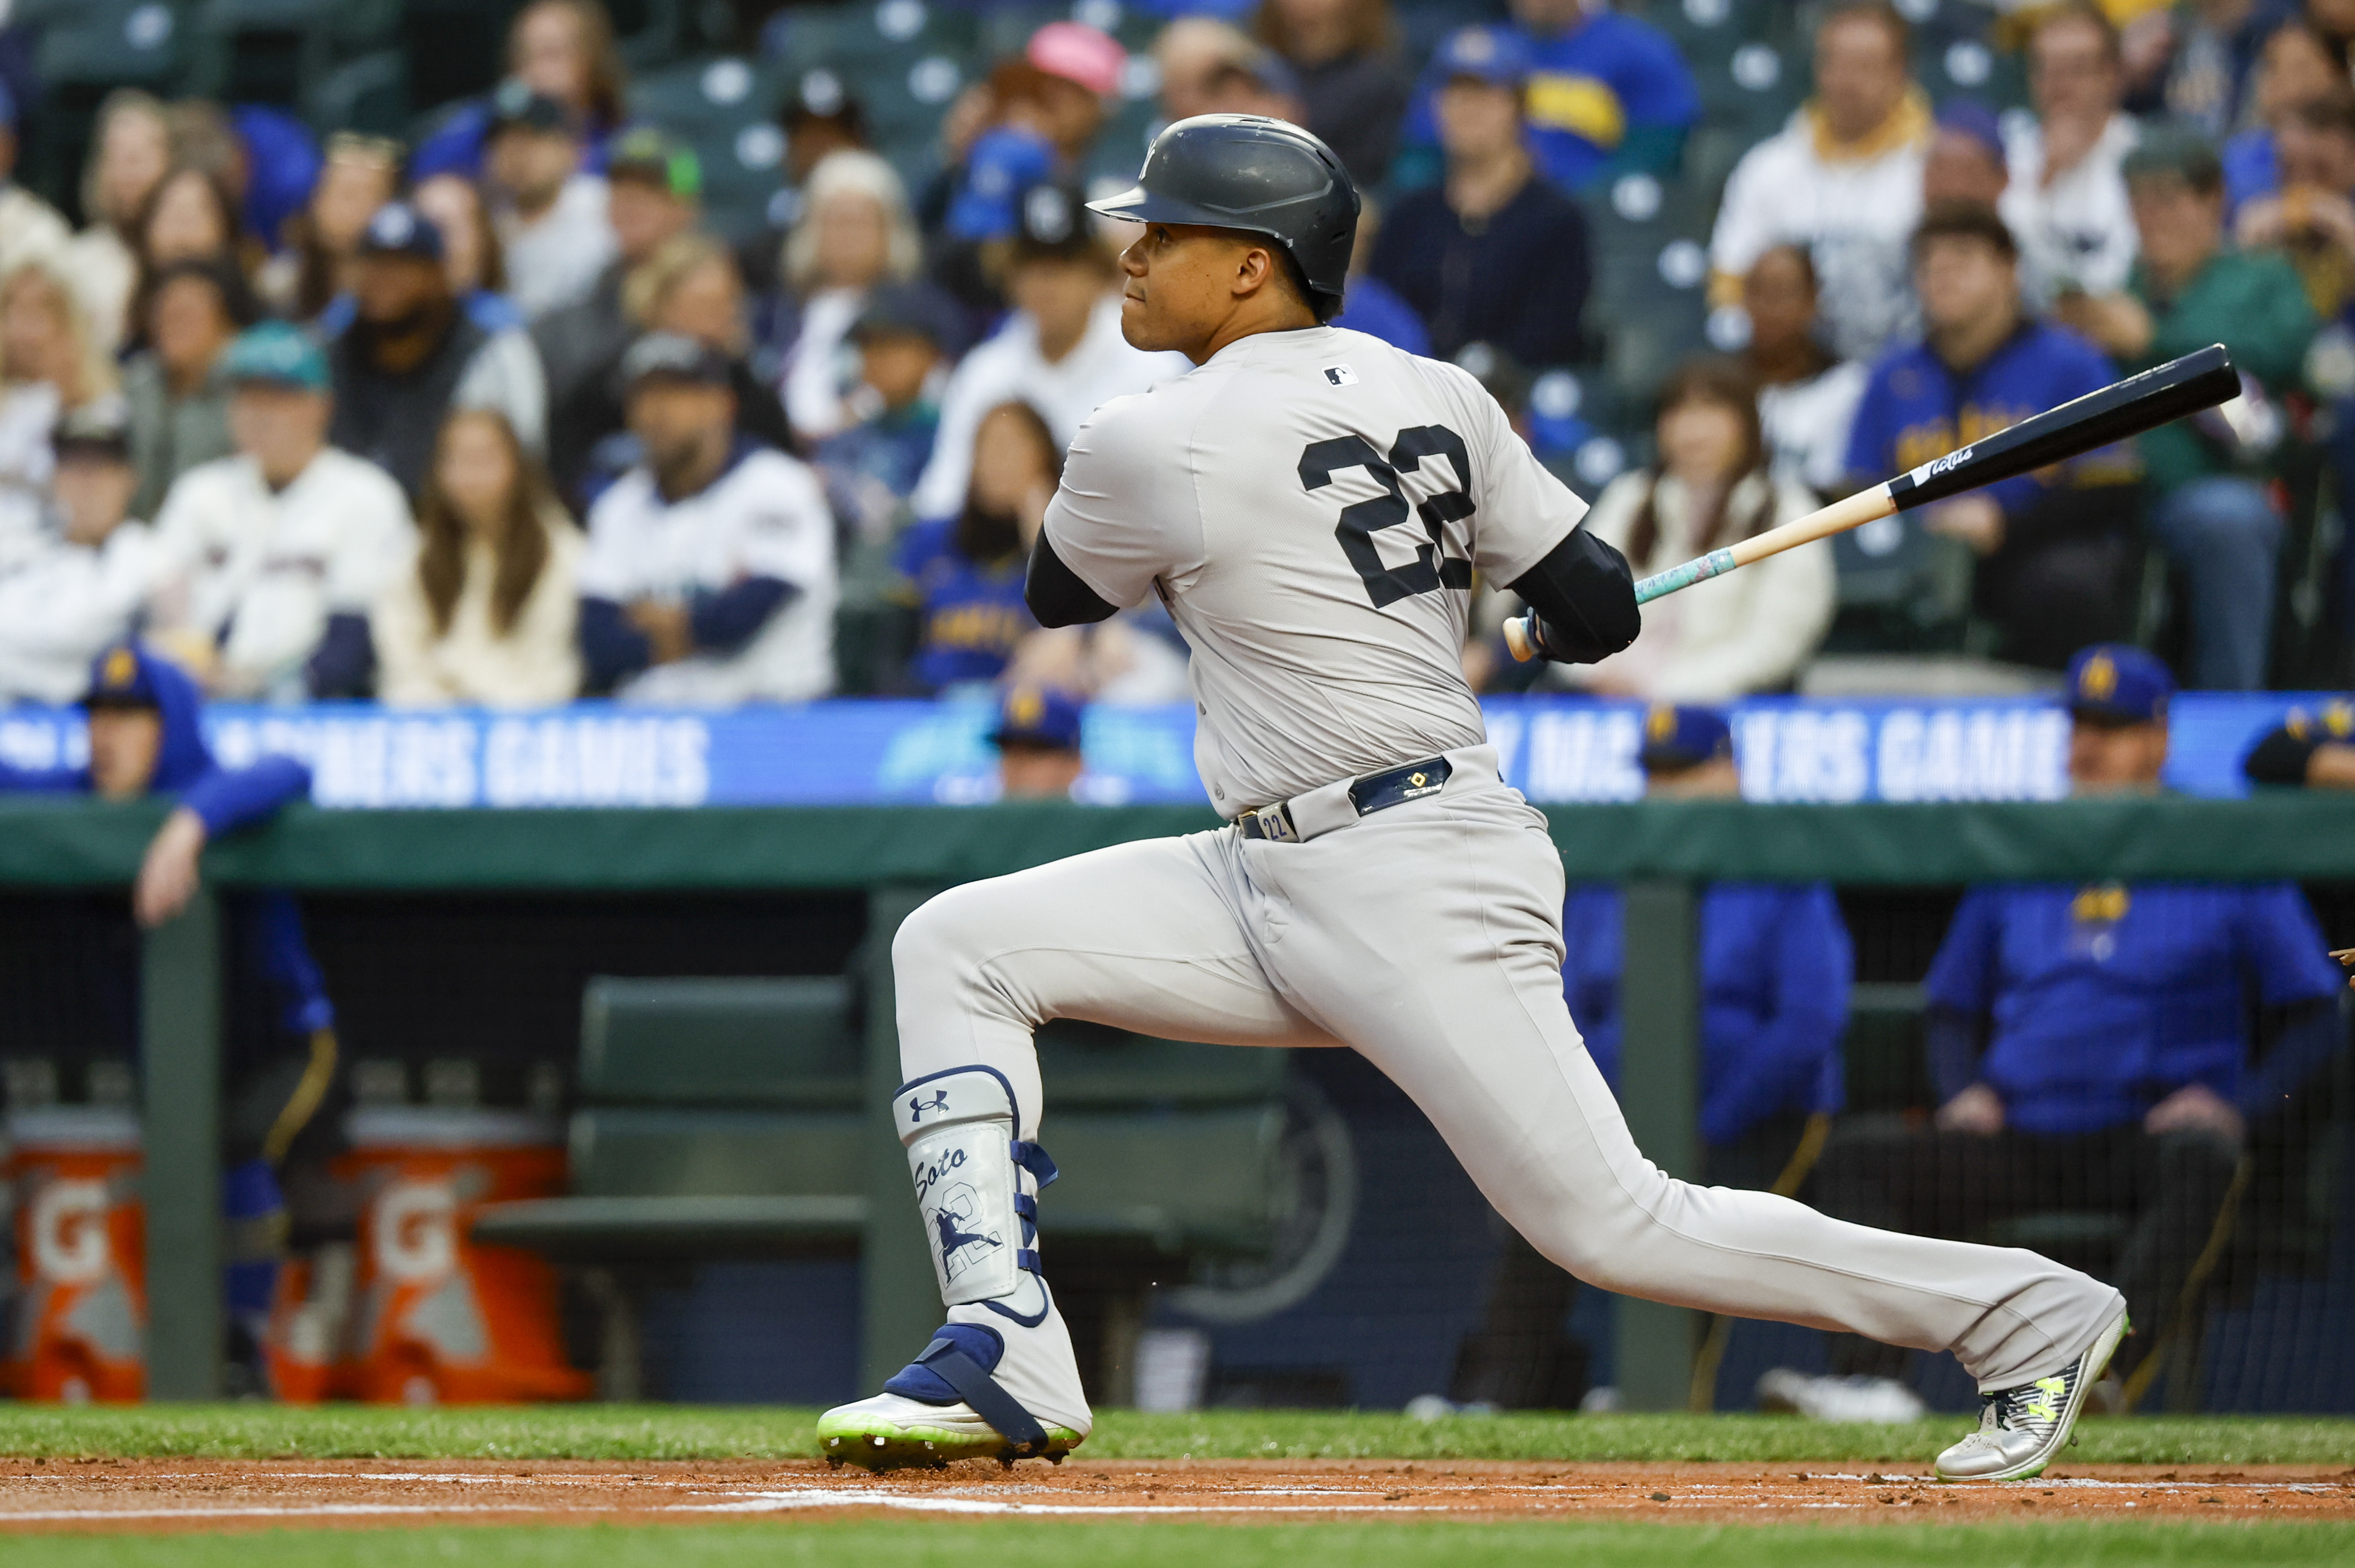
(1966, 164)
(1190, 52)
(191, 215)
(1353, 83)
(273, 556)
(690, 286)
(1806, 399)
(819, 121)
(1035, 119)
(1843, 179)
(49, 366)
(2311, 217)
(2049, 546)
(549, 209)
(1370, 305)
(1775, 967)
(412, 354)
(2296, 67)
(1257, 82)
(82, 584)
(179, 398)
(1713, 485)
(2091, 1046)
(471, 253)
(709, 576)
(2209, 509)
(1060, 350)
(906, 339)
(1494, 253)
(855, 234)
(2193, 62)
(489, 613)
(1038, 741)
(654, 188)
(561, 50)
(359, 175)
(2067, 202)
(2315, 748)
(964, 573)
(130, 150)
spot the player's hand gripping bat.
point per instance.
(2198, 380)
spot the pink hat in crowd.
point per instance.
(1077, 52)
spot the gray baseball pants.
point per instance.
(1428, 938)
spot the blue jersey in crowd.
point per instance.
(1776, 966)
(2106, 998)
(972, 612)
(1591, 88)
(1915, 409)
(1378, 310)
(268, 933)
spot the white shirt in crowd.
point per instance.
(28, 414)
(1009, 369)
(102, 272)
(765, 516)
(557, 260)
(1747, 631)
(535, 663)
(2078, 232)
(1807, 425)
(814, 379)
(1854, 214)
(258, 571)
(61, 603)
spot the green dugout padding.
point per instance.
(63, 843)
(898, 853)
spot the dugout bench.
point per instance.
(723, 1118)
(1661, 850)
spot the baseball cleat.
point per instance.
(2022, 1428)
(892, 1432)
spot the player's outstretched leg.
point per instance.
(999, 1380)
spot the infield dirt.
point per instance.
(179, 1496)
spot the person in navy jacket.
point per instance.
(2091, 1044)
(1775, 967)
(146, 740)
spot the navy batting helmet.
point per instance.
(1261, 176)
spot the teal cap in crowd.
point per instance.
(278, 353)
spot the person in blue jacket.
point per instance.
(2091, 1044)
(1608, 95)
(2049, 546)
(1775, 968)
(146, 739)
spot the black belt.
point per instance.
(1368, 794)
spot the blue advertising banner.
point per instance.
(1555, 749)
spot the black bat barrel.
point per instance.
(2198, 380)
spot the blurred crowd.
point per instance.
(505, 417)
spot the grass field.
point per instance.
(829, 1544)
(676, 1432)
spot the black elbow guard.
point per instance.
(1584, 596)
(1056, 595)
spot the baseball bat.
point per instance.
(2198, 380)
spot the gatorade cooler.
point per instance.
(437, 1319)
(80, 1318)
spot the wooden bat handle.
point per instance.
(1521, 633)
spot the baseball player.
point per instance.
(1312, 506)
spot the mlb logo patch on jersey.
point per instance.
(1340, 376)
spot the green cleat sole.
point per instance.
(930, 1447)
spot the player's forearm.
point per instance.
(1585, 595)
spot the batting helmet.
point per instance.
(1261, 175)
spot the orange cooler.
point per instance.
(437, 1319)
(80, 1310)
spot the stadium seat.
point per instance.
(1648, 305)
(271, 51)
(369, 94)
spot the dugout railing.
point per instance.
(1661, 852)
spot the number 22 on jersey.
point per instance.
(1429, 571)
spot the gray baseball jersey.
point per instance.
(1311, 506)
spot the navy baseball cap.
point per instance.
(1676, 737)
(276, 353)
(675, 357)
(99, 428)
(397, 229)
(1494, 55)
(910, 310)
(119, 677)
(515, 103)
(2116, 683)
(1040, 717)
